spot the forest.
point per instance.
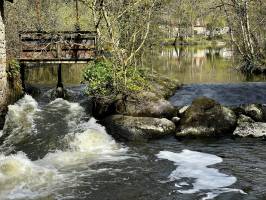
(127, 28)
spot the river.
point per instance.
(52, 150)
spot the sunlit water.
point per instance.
(197, 65)
(209, 72)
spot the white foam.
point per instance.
(204, 180)
(86, 143)
(20, 120)
(22, 178)
(75, 111)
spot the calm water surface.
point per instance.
(198, 65)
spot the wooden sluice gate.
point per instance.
(56, 48)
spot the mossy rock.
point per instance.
(206, 117)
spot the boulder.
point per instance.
(206, 117)
(138, 128)
(243, 119)
(254, 111)
(103, 106)
(246, 129)
(147, 104)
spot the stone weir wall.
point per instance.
(3, 74)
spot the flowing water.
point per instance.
(53, 150)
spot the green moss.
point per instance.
(13, 71)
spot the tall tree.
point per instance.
(245, 19)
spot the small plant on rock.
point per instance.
(104, 78)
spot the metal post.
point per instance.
(59, 76)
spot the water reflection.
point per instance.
(47, 74)
(197, 65)
(187, 64)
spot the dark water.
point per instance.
(229, 94)
(51, 149)
(144, 178)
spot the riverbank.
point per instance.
(201, 41)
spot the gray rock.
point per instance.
(103, 106)
(138, 128)
(257, 129)
(243, 119)
(206, 117)
(254, 111)
(145, 104)
(148, 104)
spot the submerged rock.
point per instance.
(206, 117)
(246, 129)
(59, 92)
(138, 128)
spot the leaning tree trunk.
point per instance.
(3, 75)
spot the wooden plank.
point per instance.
(46, 46)
(28, 63)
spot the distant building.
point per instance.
(200, 30)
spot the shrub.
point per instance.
(99, 78)
(105, 78)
